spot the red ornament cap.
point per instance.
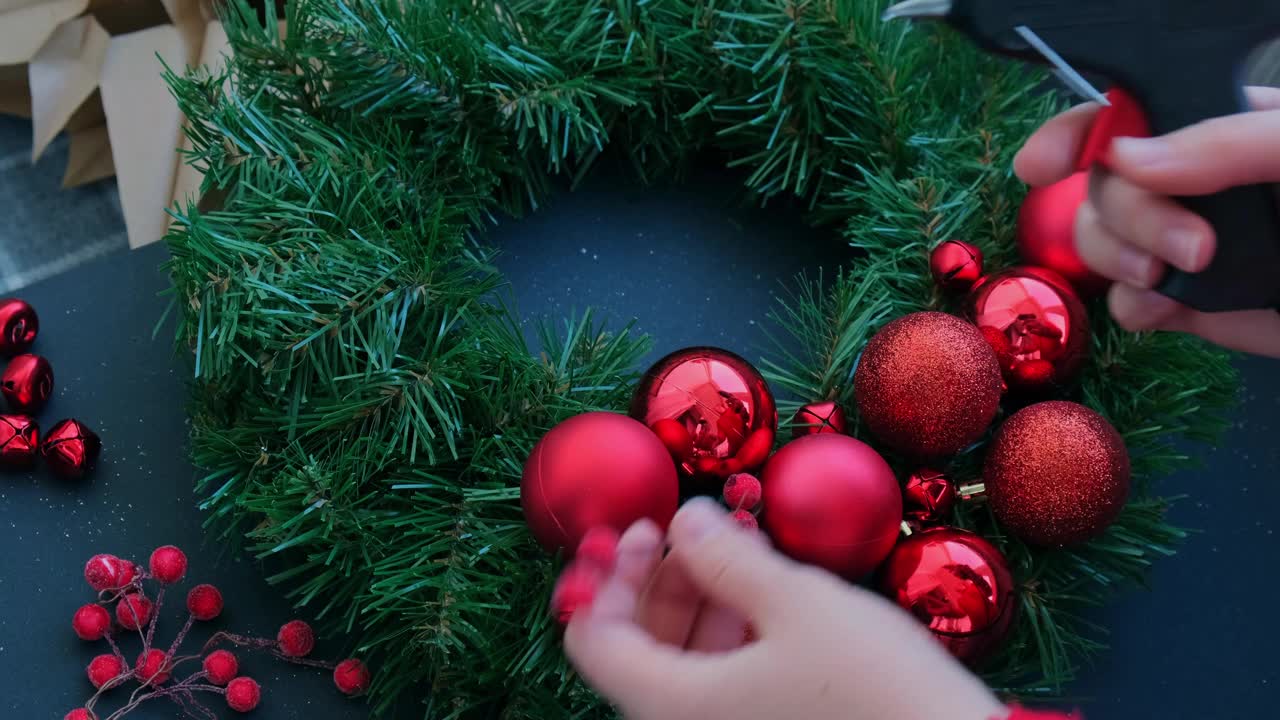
(296, 639)
(103, 669)
(742, 492)
(71, 449)
(220, 667)
(599, 548)
(1124, 117)
(19, 326)
(133, 611)
(152, 668)
(243, 694)
(955, 265)
(819, 417)
(575, 589)
(204, 602)
(351, 677)
(168, 564)
(27, 383)
(91, 622)
(928, 497)
(19, 442)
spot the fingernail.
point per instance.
(1184, 248)
(699, 519)
(1143, 152)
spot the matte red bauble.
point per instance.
(1057, 474)
(958, 585)
(832, 501)
(1047, 232)
(819, 417)
(596, 469)
(928, 384)
(19, 442)
(955, 265)
(928, 497)
(1044, 322)
(722, 405)
(26, 383)
(19, 326)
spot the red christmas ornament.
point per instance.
(220, 667)
(597, 469)
(1124, 117)
(168, 564)
(928, 497)
(928, 384)
(833, 502)
(243, 694)
(742, 492)
(1045, 324)
(79, 714)
(746, 520)
(1056, 474)
(133, 611)
(819, 417)
(91, 622)
(1047, 232)
(955, 265)
(108, 572)
(296, 639)
(19, 326)
(27, 383)
(204, 602)
(152, 668)
(19, 442)
(721, 402)
(71, 449)
(352, 677)
(958, 585)
(103, 669)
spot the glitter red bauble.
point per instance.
(1042, 319)
(91, 622)
(108, 572)
(958, 585)
(955, 265)
(27, 383)
(596, 469)
(78, 714)
(746, 520)
(152, 668)
(819, 417)
(723, 405)
(19, 326)
(103, 669)
(71, 449)
(220, 667)
(742, 492)
(296, 639)
(351, 677)
(133, 611)
(1047, 232)
(831, 501)
(928, 384)
(168, 564)
(1057, 474)
(19, 442)
(928, 497)
(243, 694)
(204, 602)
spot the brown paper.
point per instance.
(89, 157)
(25, 25)
(121, 17)
(63, 74)
(15, 91)
(214, 46)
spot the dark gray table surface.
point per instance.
(695, 268)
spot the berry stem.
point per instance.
(155, 620)
(182, 635)
(115, 649)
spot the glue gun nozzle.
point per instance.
(917, 9)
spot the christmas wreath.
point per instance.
(363, 403)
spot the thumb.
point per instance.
(732, 566)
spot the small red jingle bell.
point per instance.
(71, 449)
(27, 383)
(19, 442)
(19, 326)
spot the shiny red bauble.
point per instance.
(713, 411)
(26, 383)
(19, 442)
(819, 417)
(19, 326)
(1043, 321)
(1056, 474)
(955, 265)
(928, 384)
(1047, 232)
(958, 585)
(831, 501)
(928, 497)
(596, 469)
(71, 449)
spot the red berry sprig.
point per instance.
(156, 673)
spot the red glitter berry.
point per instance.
(204, 602)
(168, 564)
(599, 548)
(746, 520)
(243, 694)
(220, 666)
(108, 572)
(575, 589)
(351, 676)
(296, 639)
(79, 714)
(742, 491)
(91, 622)
(103, 669)
(133, 611)
(152, 667)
